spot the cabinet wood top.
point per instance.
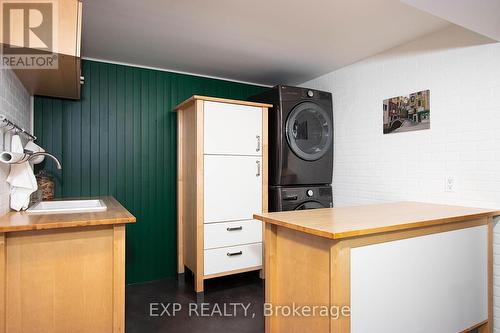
(345, 222)
(22, 221)
(190, 100)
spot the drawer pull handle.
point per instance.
(234, 228)
(258, 169)
(258, 143)
(231, 254)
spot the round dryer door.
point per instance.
(309, 131)
(309, 205)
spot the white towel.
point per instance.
(21, 179)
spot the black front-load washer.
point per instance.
(285, 198)
(300, 135)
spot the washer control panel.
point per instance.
(284, 198)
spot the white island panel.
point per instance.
(435, 284)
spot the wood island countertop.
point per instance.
(345, 222)
(22, 221)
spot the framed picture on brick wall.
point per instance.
(407, 113)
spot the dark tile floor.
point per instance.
(243, 288)
(155, 297)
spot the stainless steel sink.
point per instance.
(67, 206)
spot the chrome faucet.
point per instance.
(33, 155)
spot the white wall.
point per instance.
(15, 104)
(462, 70)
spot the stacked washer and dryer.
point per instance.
(300, 148)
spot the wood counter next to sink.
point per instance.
(63, 272)
(398, 267)
(23, 221)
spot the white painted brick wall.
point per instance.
(463, 75)
(15, 104)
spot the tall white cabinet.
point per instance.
(222, 182)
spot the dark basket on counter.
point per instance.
(46, 185)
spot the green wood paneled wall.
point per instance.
(120, 140)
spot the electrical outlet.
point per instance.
(449, 184)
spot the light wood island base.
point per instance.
(391, 268)
(56, 277)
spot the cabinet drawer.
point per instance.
(232, 129)
(231, 258)
(233, 188)
(232, 233)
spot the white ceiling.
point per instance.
(259, 41)
(481, 16)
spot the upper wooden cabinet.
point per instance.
(63, 81)
(70, 27)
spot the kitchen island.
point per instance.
(63, 272)
(397, 267)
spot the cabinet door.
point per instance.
(232, 129)
(232, 187)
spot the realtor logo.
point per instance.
(28, 34)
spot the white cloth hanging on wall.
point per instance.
(21, 179)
